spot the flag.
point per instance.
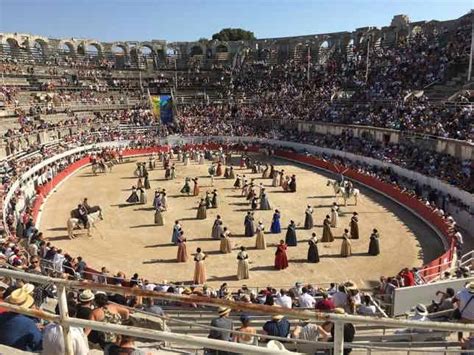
(155, 106)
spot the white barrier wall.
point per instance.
(405, 298)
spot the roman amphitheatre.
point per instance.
(128, 240)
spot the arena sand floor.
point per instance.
(127, 240)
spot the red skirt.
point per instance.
(281, 261)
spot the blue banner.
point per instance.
(166, 109)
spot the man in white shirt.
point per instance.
(53, 341)
(306, 300)
(465, 302)
(283, 300)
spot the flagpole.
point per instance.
(309, 58)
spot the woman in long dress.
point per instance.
(214, 199)
(226, 244)
(139, 183)
(231, 173)
(354, 226)
(249, 225)
(275, 176)
(173, 172)
(164, 200)
(327, 233)
(313, 253)
(217, 228)
(264, 203)
(182, 251)
(142, 196)
(237, 182)
(285, 183)
(242, 264)
(186, 188)
(202, 210)
(290, 239)
(199, 268)
(219, 169)
(374, 245)
(159, 220)
(196, 186)
(146, 182)
(133, 198)
(275, 228)
(334, 215)
(176, 232)
(281, 259)
(346, 245)
(292, 183)
(308, 218)
(260, 241)
(186, 159)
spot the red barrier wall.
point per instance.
(430, 270)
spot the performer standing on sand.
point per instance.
(202, 210)
(327, 233)
(186, 188)
(308, 218)
(334, 215)
(249, 225)
(196, 186)
(275, 228)
(226, 244)
(354, 224)
(290, 239)
(182, 255)
(313, 253)
(217, 228)
(243, 264)
(346, 244)
(374, 245)
(176, 232)
(260, 241)
(199, 268)
(281, 259)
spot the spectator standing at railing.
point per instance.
(225, 326)
(464, 301)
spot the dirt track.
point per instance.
(128, 241)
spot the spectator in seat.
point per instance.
(278, 326)
(53, 340)
(283, 300)
(84, 308)
(126, 345)
(306, 300)
(225, 334)
(464, 301)
(445, 303)
(366, 308)
(305, 330)
(19, 331)
(326, 304)
(349, 331)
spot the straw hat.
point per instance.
(86, 296)
(20, 297)
(277, 317)
(339, 310)
(421, 309)
(28, 288)
(470, 287)
(276, 345)
(223, 311)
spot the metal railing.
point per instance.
(337, 319)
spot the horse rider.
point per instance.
(348, 188)
(81, 209)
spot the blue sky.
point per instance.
(188, 20)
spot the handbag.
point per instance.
(457, 314)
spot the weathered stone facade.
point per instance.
(206, 53)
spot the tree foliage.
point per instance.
(234, 34)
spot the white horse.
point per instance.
(72, 224)
(341, 190)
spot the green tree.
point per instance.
(234, 34)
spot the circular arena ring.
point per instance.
(128, 240)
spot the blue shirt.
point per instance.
(277, 328)
(20, 332)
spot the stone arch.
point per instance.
(221, 48)
(146, 50)
(324, 49)
(67, 48)
(12, 47)
(93, 49)
(39, 48)
(119, 49)
(196, 50)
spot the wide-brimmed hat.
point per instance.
(339, 310)
(20, 297)
(277, 316)
(223, 311)
(421, 309)
(470, 287)
(86, 296)
(275, 345)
